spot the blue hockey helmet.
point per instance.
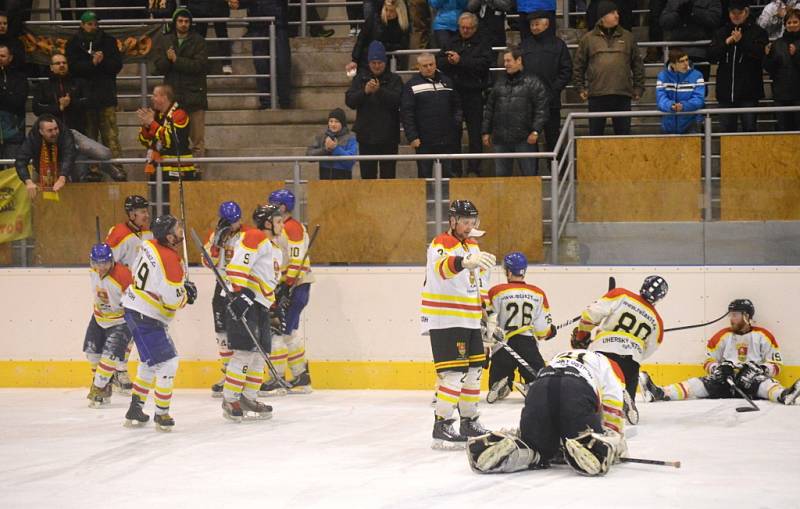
(282, 197)
(230, 211)
(516, 263)
(101, 253)
(654, 288)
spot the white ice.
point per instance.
(372, 449)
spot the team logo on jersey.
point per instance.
(228, 254)
(741, 352)
(275, 266)
(461, 346)
(102, 295)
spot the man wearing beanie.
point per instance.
(599, 8)
(608, 70)
(375, 95)
(337, 140)
(182, 57)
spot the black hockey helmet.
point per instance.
(654, 288)
(462, 208)
(264, 213)
(743, 306)
(163, 226)
(134, 202)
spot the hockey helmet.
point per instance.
(463, 208)
(134, 202)
(654, 288)
(516, 263)
(282, 197)
(264, 214)
(742, 306)
(163, 226)
(101, 253)
(230, 211)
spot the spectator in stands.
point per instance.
(160, 9)
(355, 12)
(654, 31)
(623, 7)
(680, 88)
(213, 9)
(337, 140)
(315, 29)
(492, 19)
(445, 22)
(182, 58)
(19, 11)
(165, 132)
(608, 59)
(772, 18)
(13, 94)
(692, 20)
(420, 13)
(466, 60)
(93, 56)
(430, 111)
(65, 98)
(283, 60)
(738, 47)
(50, 149)
(375, 95)
(546, 56)
(516, 113)
(783, 63)
(541, 7)
(390, 26)
(68, 14)
(13, 43)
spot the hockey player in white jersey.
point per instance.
(747, 354)
(522, 315)
(628, 331)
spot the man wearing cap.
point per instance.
(608, 70)
(93, 56)
(337, 140)
(182, 58)
(375, 95)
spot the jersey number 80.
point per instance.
(627, 322)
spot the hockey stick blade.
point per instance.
(676, 464)
(746, 409)
(752, 408)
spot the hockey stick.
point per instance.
(612, 283)
(517, 357)
(676, 464)
(183, 216)
(697, 325)
(752, 408)
(224, 284)
(97, 228)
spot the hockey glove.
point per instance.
(277, 320)
(282, 296)
(242, 301)
(580, 338)
(723, 371)
(191, 292)
(481, 260)
(750, 376)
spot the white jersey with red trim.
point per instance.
(125, 241)
(293, 242)
(158, 278)
(758, 345)
(256, 265)
(222, 255)
(605, 377)
(519, 305)
(627, 324)
(452, 297)
(108, 292)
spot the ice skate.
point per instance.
(789, 396)
(272, 388)
(470, 427)
(99, 397)
(445, 437)
(135, 417)
(254, 410)
(216, 389)
(232, 410)
(163, 422)
(122, 382)
(499, 390)
(629, 409)
(301, 384)
(650, 390)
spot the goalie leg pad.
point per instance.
(592, 453)
(498, 453)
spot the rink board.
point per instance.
(361, 324)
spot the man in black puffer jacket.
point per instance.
(516, 112)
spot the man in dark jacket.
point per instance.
(93, 56)
(13, 93)
(13, 43)
(738, 47)
(375, 95)
(783, 63)
(692, 20)
(430, 111)
(546, 56)
(466, 60)
(516, 112)
(50, 149)
(182, 58)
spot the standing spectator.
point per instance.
(337, 140)
(680, 88)
(93, 56)
(165, 132)
(355, 12)
(738, 47)
(314, 30)
(283, 60)
(492, 19)
(13, 43)
(466, 60)
(183, 60)
(375, 95)
(160, 9)
(390, 26)
(19, 11)
(13, 94)
(654, 31)
(445, 23)
(541, 7)
(692, 20)
(546, 55)
(420, 13)
(624, 9)
(213, 9)
(430, 111)
(772, 18)
(783, 64)
(516, 112)
(608, 59)
(50, 150)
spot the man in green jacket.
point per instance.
(608, 61)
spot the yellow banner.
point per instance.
(15, 207)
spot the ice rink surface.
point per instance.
(372, 449)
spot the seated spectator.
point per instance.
(375, 95)
(50, 149)
(390, 26)
(13, 43)
(492, 19)
(783, 64)
(692, 20)
(337, 140)
(445, 23)
(165, 132)
(542, 7)
(13, 94)
(680, 88)
(738, 48)
(772, 17)
(213, 9)
(516, 112)
(161, 9)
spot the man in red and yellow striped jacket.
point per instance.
(165, 134)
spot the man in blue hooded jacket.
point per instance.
(679, 88)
